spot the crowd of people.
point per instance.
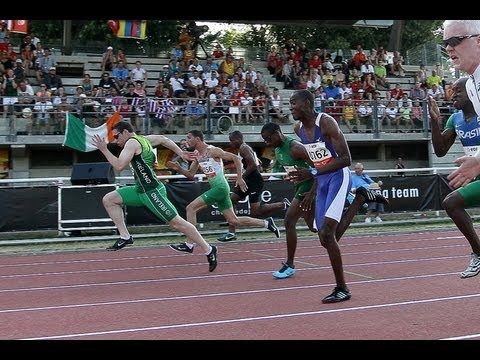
(317, 161)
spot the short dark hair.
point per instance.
(236, 134)
(270, 127)
(196, 133)
(123, 125)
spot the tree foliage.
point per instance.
(163, 34)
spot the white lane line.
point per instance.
(257, 318)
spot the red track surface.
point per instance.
(404, 286)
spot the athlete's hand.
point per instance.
(188, 156)
(466, 173)
(307, 203)
(173, 165)
(299, 174)
(99, 143)
(241, 184)
(433, 109)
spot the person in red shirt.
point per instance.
(397, 92)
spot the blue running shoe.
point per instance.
(285, 272)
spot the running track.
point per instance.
(404, 286)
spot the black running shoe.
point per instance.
(120, 243)
(272, 227)
(337, 295)
(183, 247)
(227, 237)
(372, 196)
(212, 259)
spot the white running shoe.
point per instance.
(473, 268)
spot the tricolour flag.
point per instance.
(79, 136)
(132, 29)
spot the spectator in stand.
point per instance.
(332, 109)
(358, 58)
(361, 179)
(366, 68)
(218, 53)
(275, 106)
(288, 75)
(314, 81)
(319, 96)
(390, 114)
(436, 91)
(43, 111)
(234, 109)
(9, 92)
(400, 165)
(45, 62)
(302, 78)
(369, 86)
(52, 80)
(86, 84)
(26, 90)
(381, 55)
(327, 76)
(397, 92)
(349, 114)
(108, 60)
(434, 79)
(106, 83)
(398, 69)
(19, 71)
(421, 75)
(449, 91)
(121, 75)
(340, 76)
(121, 57)
(417, 93)
(4, 32)
(332, 91)
(405, 99)
(380, 73)
(365, 114)
(27, 52)
(417, 116)
(315, 62)
(439, 71)
(404, 116)
(35, 38)
(195, 65)
(228, 67)
(210, 63)
(271, 64)
(194, 84)
(138, 73)
(176, 52)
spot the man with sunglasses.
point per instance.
(462, 42)
(148, 191)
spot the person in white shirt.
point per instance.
(462, 42)
(139, 73)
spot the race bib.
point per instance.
(207, 168)
(319, 154)
(471, 150)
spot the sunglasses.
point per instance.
(457, 40)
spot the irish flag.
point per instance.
(79, 136)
